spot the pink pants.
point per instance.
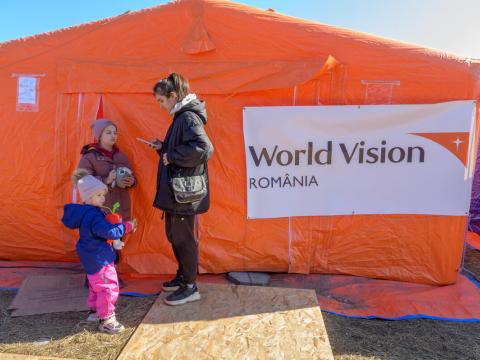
(103, 291)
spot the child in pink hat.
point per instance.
(102, 159)
(96, 254)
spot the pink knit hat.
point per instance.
(99, 125)
(87, 184)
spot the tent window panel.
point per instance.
(379, 91)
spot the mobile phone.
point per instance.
(146, 142)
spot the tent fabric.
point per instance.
(12, 273)
(390, 300)
(349, 296)
(215, 78)
(235, 56)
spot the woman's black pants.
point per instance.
(180, 230)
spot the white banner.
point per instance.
(374, 159)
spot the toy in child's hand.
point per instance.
(118, 244)
(113, 217)
(122, 173)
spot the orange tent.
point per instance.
(234, 56)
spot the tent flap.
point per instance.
(205, 78)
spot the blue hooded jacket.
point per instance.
(92, 247)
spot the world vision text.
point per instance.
(351, 153)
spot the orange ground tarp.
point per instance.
(350, 296)
(234, 56)
(473, 240)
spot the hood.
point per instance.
(73, 214)
(95, 147)
(196, 106)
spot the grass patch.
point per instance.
(69, 335)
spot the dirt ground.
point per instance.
(351, 339)
(69, 335)
(359, 339)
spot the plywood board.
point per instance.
(50, 293)
(233, 322)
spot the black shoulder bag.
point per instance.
(189, 189)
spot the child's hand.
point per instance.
(128, 181)
(134, 224)
(112, 175)
(118, 244)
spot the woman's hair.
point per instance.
(78, 174)
(173, 82)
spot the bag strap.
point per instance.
(169, 168)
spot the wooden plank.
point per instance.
(233, 322)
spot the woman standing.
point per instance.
(185, 151)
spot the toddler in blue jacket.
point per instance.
(96, 254)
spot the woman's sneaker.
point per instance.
(183, 295)
(92, 316)
(173, 284)
(111, 325)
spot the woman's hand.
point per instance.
(127, 181)
(156, 144)
(165, 159)
(112, 175)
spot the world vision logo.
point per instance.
(358, 152)
(455, 142)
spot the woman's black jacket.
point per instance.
(188, 149)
